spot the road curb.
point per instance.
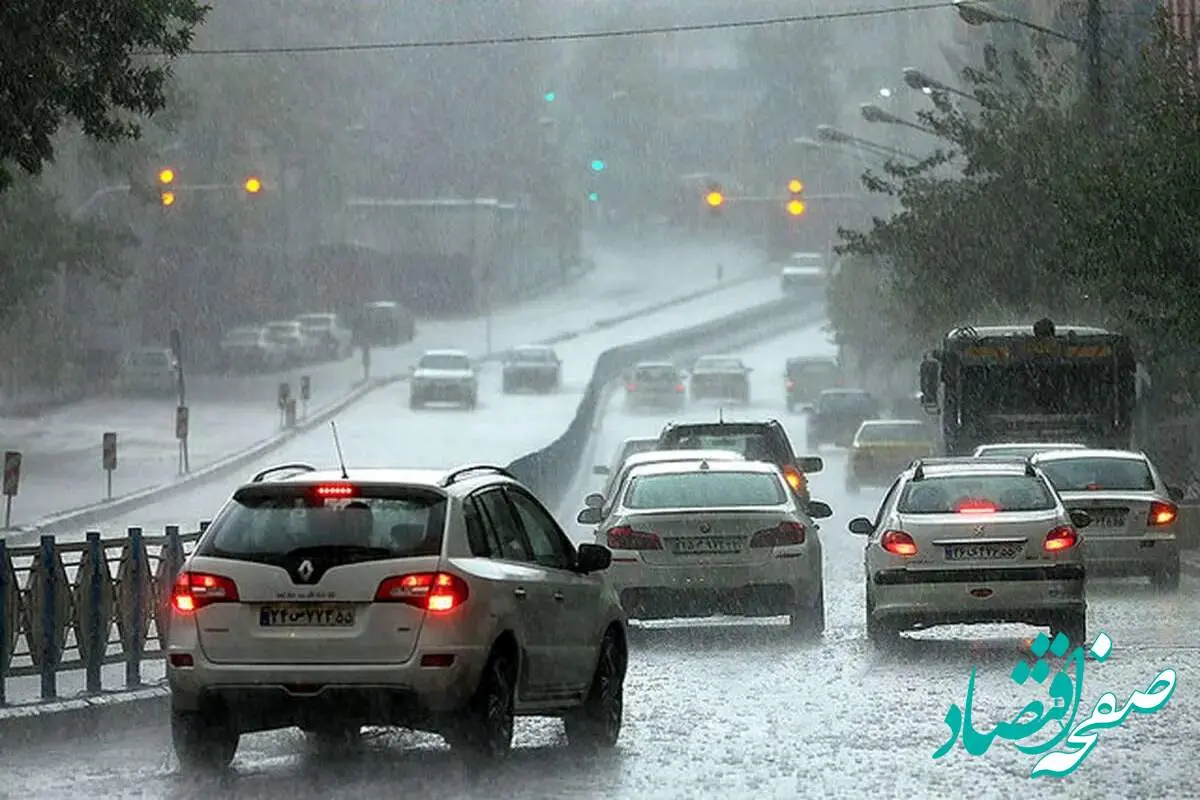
(1189, 564)
(82, 717)
(108, 509)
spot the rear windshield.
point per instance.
(729, 364)
(966, 493)
(813, 370)
(754, 446)
(445, 362)
(907, 434)
(539, 356)
(704, 490)
(847, 402)
(656, 374)
(1093, 474)
(272, 523)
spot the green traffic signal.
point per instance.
(598, 165)
(550, 97)
(593, 197)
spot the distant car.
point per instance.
(289, 336)
(149, 371)
(1134, 529)
(694, 539)
(1021, 450)
(805, 378)
(966, 541)
(759, 440)
(444, 376)
(628, 448)
(333, 339)
(837, 414)
(249, 349)
(655, 384)
(533, 366)
(384, 323)
(431, 600)
(721, 378)
(883, 448)
(802, 271)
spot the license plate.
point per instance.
(306, 617)
(706, 546)
(1108, 520)
(982, 552)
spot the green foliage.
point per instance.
(100, 64)
(1041, 203)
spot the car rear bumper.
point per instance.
(777, 587)
(269, 696)
(1130, 555)
(919, 598)
(442, 392)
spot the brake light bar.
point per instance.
(976, 507)
(626, 538)
(437, 592)
(195, 590)
(335, 490)
(782, 535)
(1064, 537)
(1162, 514)
(898, 543)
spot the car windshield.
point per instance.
(1018, 451)
(444, 361)
(532, 356)
(704, 489)
(815, 371)
(753, 445)
(976, 493)
(268, 523)
(653, 374)
(1098, 474)
(723, 364)
(908, 434)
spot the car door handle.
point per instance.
(559, 596)
(519, 592)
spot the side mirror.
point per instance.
(1177, 495)
(592, 558)
(929, 383)
(589, 516)
(594, 500)
(1080, 518)
(819, 510)
(600, 469)
(861, 526)
(810, 465)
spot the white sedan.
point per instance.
(694, 539)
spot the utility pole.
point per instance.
(1094, 52)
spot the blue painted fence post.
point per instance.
(97, 638)
(50, 592)
(133, 655)
(5, 633)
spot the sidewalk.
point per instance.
(61, 450)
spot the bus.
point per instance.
(1032, 383)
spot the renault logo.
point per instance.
(978, 530)
(306, 570)
(705, 527)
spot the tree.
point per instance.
(99, 64)
(1053, 212)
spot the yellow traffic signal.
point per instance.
(795, 186)
(796, 208)
(166, 176)
(167, 198)
(252, 185)
(714, 198)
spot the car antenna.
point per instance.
(337, 443)
(720, 415)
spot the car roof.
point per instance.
(315, 314)
(641, 364)
(640, 440)
(445, 352)
(813, 360)
(675, 467)
(882, 423)
(721, 423)
(845, 391)
(1088, 452)
(661, 456)
(532, 348)
(301, 475)
(985, 331)
(718, 356)
(284, 322)
(948, 467)
(1041, 445)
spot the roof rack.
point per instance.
(297, 467)
(918, 466)
(453, 475)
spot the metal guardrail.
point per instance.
(61, 602)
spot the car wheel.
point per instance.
(810, 622)
(597, 724)
(1073, 625)
(878, 633)
(487, 729)
(1166, 577)
(202, 742)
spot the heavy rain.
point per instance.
(539, 399)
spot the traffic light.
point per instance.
(252, 185)
(598, 165)
(593, 197)
(550, 97)
(795, 204)
(166, 180)
(714, 198)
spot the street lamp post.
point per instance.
(830, 134)
(924, 83)
(873, 113)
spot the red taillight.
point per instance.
(1162, 513)
(976, 507)
(335, 490)
(631, 387)
(790, 384)
(898, 543)
(429, 591)
(679, 387)
(1063, 537)
(782, 535)
(795, 479)
(195, 590)
(626, 538)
